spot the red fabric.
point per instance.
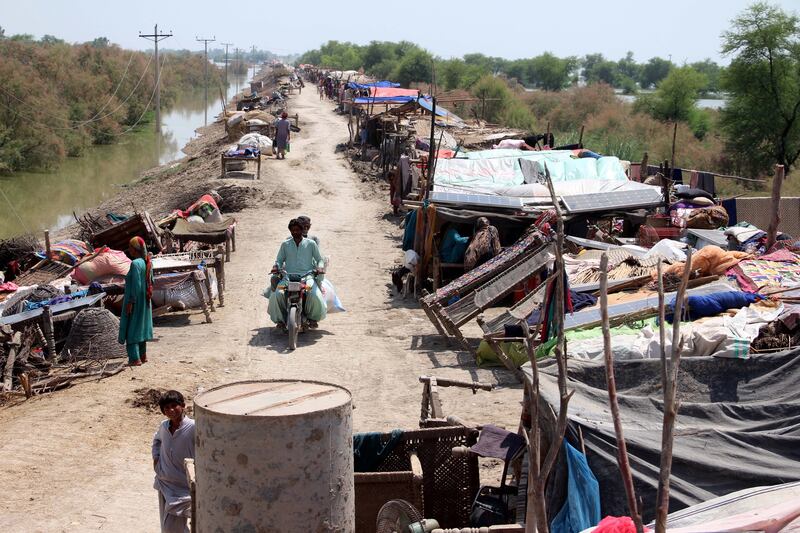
(389, 92)
(205, 199)
(617, 524)
(780, 255)
(8, 286)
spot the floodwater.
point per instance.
(35, 201)
(702, 103)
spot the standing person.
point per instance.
(136, 323)
(172, 443)
(485, 244)
(282, 134)
(395, 190)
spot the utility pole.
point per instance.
(254, 62)
(226, 62)
(205, 44)
(155, 37)
(237, 63)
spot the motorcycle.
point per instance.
(296, 290)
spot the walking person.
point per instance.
(172, 444)
(282, 134)
(136, 323)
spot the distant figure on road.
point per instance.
(172, 443)
(282, 134)
(136, 323)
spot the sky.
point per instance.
(685, 30)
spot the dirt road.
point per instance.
(79, 459)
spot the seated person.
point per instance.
(297, 256)
(306, 223)
(484, 245)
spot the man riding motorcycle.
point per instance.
(297, 256)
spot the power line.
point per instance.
(156, 37)
(226, 62)
(78, 123)
(205, 44)
(128, 66)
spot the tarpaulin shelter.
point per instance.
(738, 426)
(368, 85)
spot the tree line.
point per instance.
(57, 99)
(758, 127)
(407, 62)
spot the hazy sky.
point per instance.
(689, 30)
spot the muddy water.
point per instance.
(34, 201)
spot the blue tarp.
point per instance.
(384, 100)
(582, 508)
(383, 83)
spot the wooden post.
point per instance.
(210, 295)
(47, 249)
(8, 372)
(49, 332)
(674, 136)
(775, 219)
(580, 138)
(643, 168)
(197, 277)
(547, 135)
(432, 150)
(622, 449)
(219, 266)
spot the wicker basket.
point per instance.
(449, 483)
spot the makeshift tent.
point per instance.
(368, 85)
(738, 426)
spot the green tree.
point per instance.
(676, 95)
(761, 118)
(655, 70)
(712, 73)
(495, 96)
(551, 73)
(415, 66)
(597, 68)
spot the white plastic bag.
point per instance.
(331, 299)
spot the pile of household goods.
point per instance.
(59, 302)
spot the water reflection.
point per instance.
(33, 201)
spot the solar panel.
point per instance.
(603, 201)
(591, 317)
(476, 199)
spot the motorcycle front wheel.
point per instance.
(293, 326)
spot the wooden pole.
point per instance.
(580, 138)
(47, 244)
(622, 449)
(775, 220)
(547, 135)
(670, 402)
(674, 137)
(432, 150)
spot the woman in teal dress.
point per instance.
(136, 323)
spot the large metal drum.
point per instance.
(274, 456)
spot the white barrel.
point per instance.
(274, 456)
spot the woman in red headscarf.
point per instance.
(136, 324)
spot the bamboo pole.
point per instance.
(622, 449)
(775, 220)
